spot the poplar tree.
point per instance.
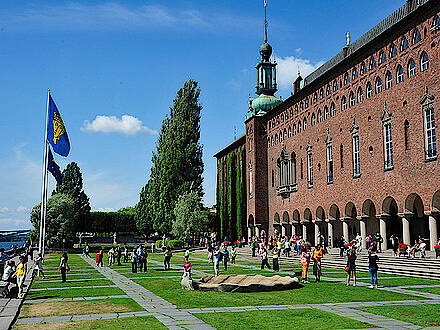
(177, 162)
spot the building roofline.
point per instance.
(238, 142)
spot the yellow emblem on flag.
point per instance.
(58, 127)
(265, 3)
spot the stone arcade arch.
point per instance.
(418, 221)
(369, 212)
(285, 226)
(296, 226)
(434, 223)
(352, 221)
(335, 230)
(308, 228)
(251, 226)
(276, 224)
(389, 220)
(321, 227)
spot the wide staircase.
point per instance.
(418, 267)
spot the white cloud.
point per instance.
(106, 209)
(127, 125)
(22, 208)
(14, 223)
(288, 70)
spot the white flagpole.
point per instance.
(45, 212)
(44, 185)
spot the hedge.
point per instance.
(173, 243)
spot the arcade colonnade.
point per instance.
(409, 222)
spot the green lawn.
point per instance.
(141, 322)
(66, 293)
(422, 315)
(434, 290)
(42, 284)
(281, 319)
(402, 281)
(324, 292)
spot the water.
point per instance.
(8, 245)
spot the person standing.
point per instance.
(317, 258)
(305, 261)
(217, 258)
(263, 256)
(87, 250)
(373, 267)
(20, 273)
(9, 273)
(3, 258)
(133, 259)
(99, 258)
(233, 254)
(39, 265)
(341, 246)
(125, 253)
(145, 259)
(275, 264)
(253, 247)
(225, 257)
(187, 266)
(168, 254)
(64, 267)
(351, 266)
(118, 255)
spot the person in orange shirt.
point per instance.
(317, 257)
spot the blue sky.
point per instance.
(114, 68)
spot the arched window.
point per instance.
(276, 138)
(382, 57)
(294, 129)
(424, 62)
(282, 117)
(315, 97)
(313, 121)
(285, 134)
(335, 85)
(307, 102)
(360, 95)
(281, 137)
(393, 50)
(436, 22)
(268, 142)
(287, 115)
(305, 124)
(328, 90)
(319, 116)
(388, 80)
(289, 132)
(301, 106)
(299, 127)
(346, 79)
(296, 109)
(403, 44)
(411, 68)
(369, 90)
(332, 110)
(378, 85)
(372, 63)
(271, 141)
(416, 36)
(363, 68)
(291, 112)
(354, 74)
(399, 74)
(325, 112)
(351, 100)
(344, 103)
(321, 93)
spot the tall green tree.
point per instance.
(142, 217)
(190, 216)
(60, 220)
(72, 185)
(177, 162)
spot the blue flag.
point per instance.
(53, 168)
(56, 131)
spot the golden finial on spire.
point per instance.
(348, 38)
(299, 73)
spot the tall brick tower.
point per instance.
(256, 139)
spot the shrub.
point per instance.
(173, 243)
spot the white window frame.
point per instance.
(430, 136)
(360, 95)
(330, 168)
(310, 168)
(388, 145)
(379, 88)
(412, 70)
(400, 74)
(319, 116)
(332, 110)
(356, 156)
(369, 90)
(326, 113)
(424, 65)
(388, 80)
(351, 100)
(344, 103)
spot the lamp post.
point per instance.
(64, 241)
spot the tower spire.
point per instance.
(265, 21)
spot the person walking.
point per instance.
(253, 247)
(64, 267)
(168, 254)
(118, 255)
(373, 267)
(317, 258)
(133, 259)
(217, 258)
(225, 257)
(125, 253)
(87, 250)
(187, 266)
(263, 256)
(275, 264)
(145, 260)
(305, 261)
(39, 265)
(99, 258)
(111, 257)
(20, 273)
(351, 266)
(233, 254)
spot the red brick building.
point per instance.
(353, 149)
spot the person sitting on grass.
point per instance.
(305, 261)
(233, 254)
(351, 266)
(373, 267)
(187, 268)
(168, 254)
(275, 264)
(39, 265)
(317, 257)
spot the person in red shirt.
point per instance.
(187, 266)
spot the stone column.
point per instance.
(433, 235)
(345, 229)
(363, 227)
(405, 228)
(330, 237)
(304, 231)
(317, 232)
(383, 230)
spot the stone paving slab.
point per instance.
(71, 280)
(74, 287)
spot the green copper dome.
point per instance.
(264, 103)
